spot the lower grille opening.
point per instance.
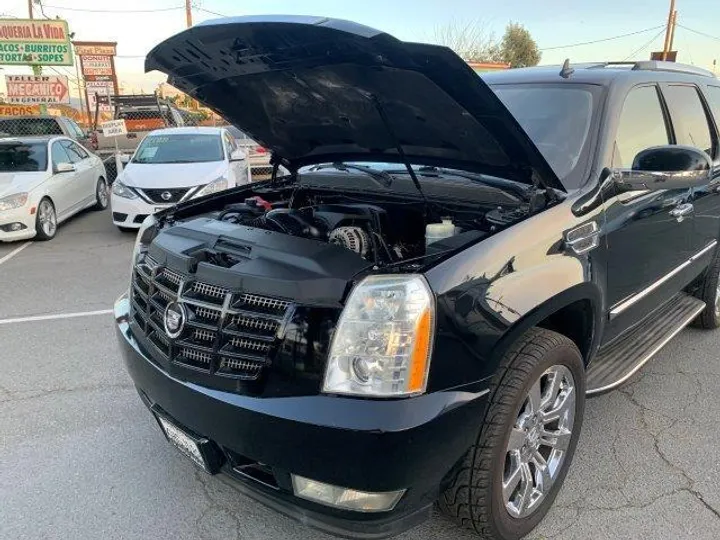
(252, 470)
(117, 216)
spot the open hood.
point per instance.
(315, 90)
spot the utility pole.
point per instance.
(669, 30)
(37, 70)
(188, 12)
(672, 30)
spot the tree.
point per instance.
(469, 40)
(518, 47)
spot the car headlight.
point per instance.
(121, 190)
(383, 341)
(219, 184)
(13, 201)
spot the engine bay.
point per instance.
(381, 230)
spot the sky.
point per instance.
(554, 24)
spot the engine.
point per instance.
(361, 228)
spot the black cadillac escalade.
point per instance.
(417, 310)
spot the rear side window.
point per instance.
(59, 155)
(76, 153)
(642, 125)
(688, 117)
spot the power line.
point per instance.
(156, 10)
(645, 46)
(698, 32)
(211, 12)
(602, 40)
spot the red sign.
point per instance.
(29, 89)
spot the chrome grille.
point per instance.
(205, 289)
(263, 302)
(228, 334)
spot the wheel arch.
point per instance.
(575, 313)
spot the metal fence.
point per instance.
(142, 114)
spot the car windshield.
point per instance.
(558, 122)
(29, 126)
(179, 148)
(17, 156)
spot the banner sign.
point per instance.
(19, 110)
(31, 89)
(39, 42)
(96, 65)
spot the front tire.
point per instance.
(509, 479)
(101, 195)
(45, 221)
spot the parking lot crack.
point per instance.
(23, 396)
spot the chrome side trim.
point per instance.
(622, 306)
(653, 352)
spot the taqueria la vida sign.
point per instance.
(35, 42)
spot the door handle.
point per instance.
(682, 210)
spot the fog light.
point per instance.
(347, 499)
(12, 227)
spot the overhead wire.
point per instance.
(698, 32)
(645, 46)
(619, 36)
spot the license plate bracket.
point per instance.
(199, 450)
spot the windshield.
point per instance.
(29, 126)
(558, 122)
(16, 156)
(179, 148)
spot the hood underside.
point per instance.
(317, 90)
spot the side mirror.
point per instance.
(666, 167)
(64, 167)
(237, 155)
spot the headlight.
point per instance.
(383, 341)
(13, 201)
(121, 190)
(216, 185)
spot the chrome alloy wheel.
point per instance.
(47, 218)
(102, 193)
(539, 441)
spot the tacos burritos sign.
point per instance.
(35, 42)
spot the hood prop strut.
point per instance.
(396, 143)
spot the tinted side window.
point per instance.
(74, 151)
(642, 125)
(688, 117)
(59, 155)
(713, 95)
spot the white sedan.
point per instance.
(174, 165)
(43, 182)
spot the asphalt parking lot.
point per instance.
(81, 457)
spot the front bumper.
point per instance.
(17, 215)
(368, 445)
(130, 213)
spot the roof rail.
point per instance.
(656, 65)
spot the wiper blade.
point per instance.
(383, 178)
